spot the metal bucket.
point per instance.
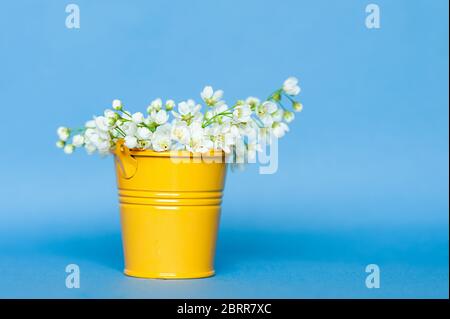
(170, 210)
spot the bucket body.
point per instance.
(170, 211)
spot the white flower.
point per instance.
(265, 112)
(253, 102)
(89, 133)
(78, 140)
(160, 117)
(63, 133)
(117, 105)
(290, 86)
(144, 144)
(199, 142)
(242, 113)
(268, 107)
(130, 141)
(109, 113)
(137, 117)
(248, 129)
(161, 140)
(111, 116)
(180, 132)
(288, 116)
(104, 148)
(196, 129)
(164, 129)
(90, 148)
(233, 130)
(279, 129)
(277, 116)
(267, 120)
(101, 143)
(102, 123)
(69, 148)
(155, 105)
(170, 105)
(252, 148)
(161, 143)
(90, 124)
(201, 145)
(144, 133)
(60, 144)
(223, 136)
(210, 97)
(92, 134)
(129, 128)
(187, 111)
(188, 108)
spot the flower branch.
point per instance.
(168, 126)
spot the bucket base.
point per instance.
(151, 275)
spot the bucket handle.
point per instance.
(124, 159)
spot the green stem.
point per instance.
(120, 131)
(211, 120)
(77, 130)
(152, 128)
(126, 113)
(226, 112)
(290, 98)
(258, 122)
(282, 106)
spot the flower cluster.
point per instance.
(168, 126)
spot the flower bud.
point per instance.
(155, 105)
(288, 116)
(63, 133)
(131, 141)
(253, 102)
(69, 148)
(117, 105)
(297, 106)
(78, 140)
(170, 104)
(60, 144)
(137, 117)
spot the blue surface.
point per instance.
(363, 174)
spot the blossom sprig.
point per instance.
(169, 126)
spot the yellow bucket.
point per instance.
(170, 210)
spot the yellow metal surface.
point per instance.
(170, 210)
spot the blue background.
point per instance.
(363, 175)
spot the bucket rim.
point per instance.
(177, 154)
